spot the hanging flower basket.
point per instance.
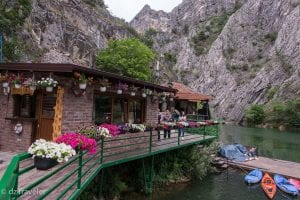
(5, 84)
(82, 86)
(17, 85)
(47, 83)
(104, 84)
(133, 90)
(102, 89)
(44, 163)
(81, 80)
(49, 89)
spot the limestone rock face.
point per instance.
(69, 31)
(148, 18)
(233, 50)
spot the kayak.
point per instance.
(254, 176)
(295, 182)
(268, 185)
(285, 185)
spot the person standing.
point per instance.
(167, 129)
(182, 124)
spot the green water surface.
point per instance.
(272, 143)
(230, 185)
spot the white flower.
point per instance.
(46, 149)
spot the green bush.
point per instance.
(169, 166)
(255, 114)
(271, 92)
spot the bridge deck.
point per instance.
(273, 166)
(109, 159)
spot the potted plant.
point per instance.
(17, 80)
(112, 128)
(146, 92)
(104, 83)
(94, 132)
(135, 128)
(83, 81)
(78, 141)
(47, 83)
(120, 87)
(3, 80)
(133, 90)
(48, 154)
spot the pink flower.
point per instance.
(78, 141)
(113, 129)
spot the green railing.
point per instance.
(71, 178)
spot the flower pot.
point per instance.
(44, 163)
(5, 84)
(132, 93)
(119, 91)
(49, 89)
(82, 86)
(102, 89)
(17, 86)
(144, 95)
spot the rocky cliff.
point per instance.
(240, 52)
(68, 31)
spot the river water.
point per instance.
(229, 185)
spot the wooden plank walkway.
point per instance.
(34, 175)
(273, 166)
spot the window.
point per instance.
(23, 106)
(102, 109)
(118, 110)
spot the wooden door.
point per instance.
(45, 114)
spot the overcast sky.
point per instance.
(127, 9)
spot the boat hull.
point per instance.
(295, 182)
(284, 185)
(254, 176)
(268, 185)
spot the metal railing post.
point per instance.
(102, 149)
(79, 169)
(150, 142)
(178, 136)
(13, 194)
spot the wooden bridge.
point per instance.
(67, 181)
(273, 166)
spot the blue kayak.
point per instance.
(254, 176)
(285, 185)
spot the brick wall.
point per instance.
(151, 111)
(77, 111)
(9, 140)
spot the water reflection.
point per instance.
(270, 142)
(215, 187)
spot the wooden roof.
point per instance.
(186, 93)
(70, 68)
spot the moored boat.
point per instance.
(268, 185)
(254, 176)
(285, 185)
(295, 182)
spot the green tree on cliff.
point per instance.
(128, 57)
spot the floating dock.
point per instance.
(273, 166)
